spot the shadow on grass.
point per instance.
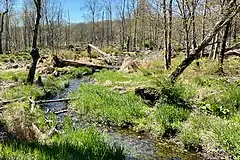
(32, 150)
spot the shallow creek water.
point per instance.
(136, 146)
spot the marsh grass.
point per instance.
(98, 102)
(20, 57)
(17, 76)
(171, 117)
(211, 133)
(79, 144)
(128, 81)
(51, 85)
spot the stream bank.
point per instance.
(136, 146)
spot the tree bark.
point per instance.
(223, 46)
(165, 35)
(7, 37)
(35, 52)
(170, 34)
(194, 43)
(216, 47)
(203, 24)
(2, 15)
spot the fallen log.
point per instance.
(128, 64)
(98, 50)
(54, 100)
(2, 103)
(107, 58)
(34, 103)
(233, 53)
(57, 62)
(61, 112)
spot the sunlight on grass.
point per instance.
(99, 102)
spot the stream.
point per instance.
(136, 146)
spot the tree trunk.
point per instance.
(203, 25)
(194, 43)
(1, 51)
(135, 31)
(7, 37)
(165, 35)
(223, 46)
(216, 47)
(103, 31)
(170, 34)
(35, 52)
(2, 15)
(212, 48)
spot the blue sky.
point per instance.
(78, 11)
(75, 8)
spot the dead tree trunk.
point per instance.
(165, 35)
(223, 46)
(2, 15)
(170, 34)
(57, 62)
(232, 10)
(216, 46)
(7, 37)
(35, 52)
(203, 26)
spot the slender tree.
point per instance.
(35, 51)
(170, 33)
(165, 35)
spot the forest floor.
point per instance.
(200, 113)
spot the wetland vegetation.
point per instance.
(133, 87)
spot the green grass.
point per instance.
(20, 57)
(171, 117)
(72, 72)
(17, 76)
(80, 144)
(22, 91)
(105, 75)
(212, 132)
(51, 85)
(98, 102)
(129, 81)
